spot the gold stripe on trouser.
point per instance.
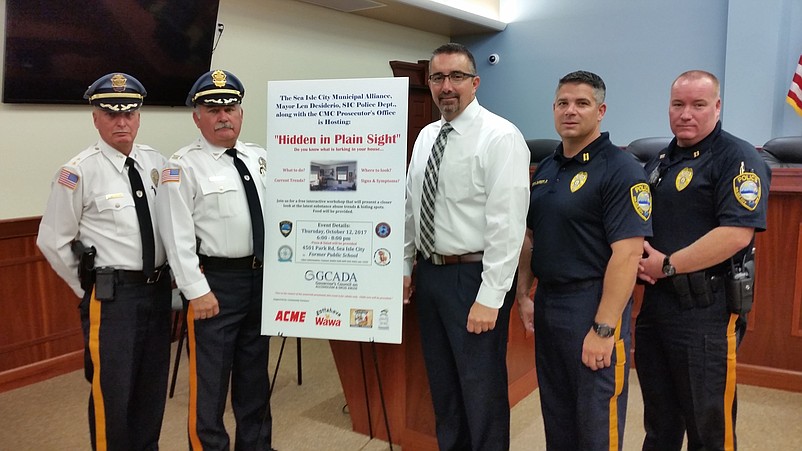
(97, 390)
(729, 387)
(192, 422)
(620, 360)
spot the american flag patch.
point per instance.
(171, 175)
(68, 179)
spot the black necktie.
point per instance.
(143, 215)
(254, 205)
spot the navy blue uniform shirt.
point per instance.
(580, 206)
(721, 181)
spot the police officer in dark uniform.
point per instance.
(710, 191)
(589, 210)
(100, 219)
(210, 204)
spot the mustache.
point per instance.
(221, 125)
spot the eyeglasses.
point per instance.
(456, 77)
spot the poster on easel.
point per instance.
(334, 209)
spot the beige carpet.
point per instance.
(51, 415)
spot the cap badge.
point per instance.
(118, 82)
(219, 78)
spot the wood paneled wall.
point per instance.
(40, 329)
(40, 334)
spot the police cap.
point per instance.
(116, 92)
(216, 87)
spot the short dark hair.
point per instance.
(453, 48)
(588, 78)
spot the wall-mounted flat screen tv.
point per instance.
(54, 49)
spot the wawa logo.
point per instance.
(328, 317)
(290, 316)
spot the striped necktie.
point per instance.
(430, 190)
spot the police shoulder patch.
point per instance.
(747, 189)
(641, 198)
(578, 181)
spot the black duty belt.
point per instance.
(222, 263)
(437, 259)
(569, 287)
(131, 277)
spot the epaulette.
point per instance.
(86, 153)
(185, 150)
(145, 147)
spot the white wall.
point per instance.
(263, 40)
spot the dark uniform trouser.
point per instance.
(686, 366)
(582, 409)
(127, 361)
(230, 344)
(467, 372)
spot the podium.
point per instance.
(405, 385)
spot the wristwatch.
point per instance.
(603, 330)
(668, 269)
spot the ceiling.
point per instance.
(421, 15)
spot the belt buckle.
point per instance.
(157, 274)
(154, 278)
(256, 263)
(438, 259)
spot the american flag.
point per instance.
(794, 97)
(171, 175)
(68, 179)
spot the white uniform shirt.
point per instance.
(91, 200)
(482, 196)
(201, 196)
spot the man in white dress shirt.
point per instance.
(212, 225)
(467, 252)
(102, 199)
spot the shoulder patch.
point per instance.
(68, 178)
(578, 181)
(171, 175)
(641, 200)
(684, 178)
(747, 190)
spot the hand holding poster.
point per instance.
(334, 212)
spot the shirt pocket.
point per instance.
(457, 179)
(119, 208)
(220, 194)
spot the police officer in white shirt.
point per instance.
(210, 206)
(102, 199)
(463, 283)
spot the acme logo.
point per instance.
(291, 316)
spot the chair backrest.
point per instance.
(784, 152)
(644, 149)
(541, 148)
